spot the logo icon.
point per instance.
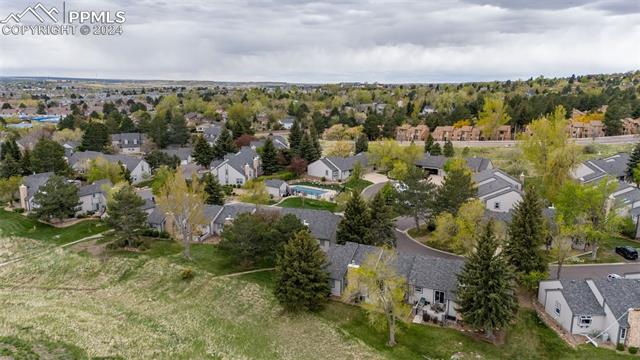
(33, 10)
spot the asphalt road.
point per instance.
(369, 192)
(406, 244)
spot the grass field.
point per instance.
(135, 305)
(304, 203)
(13, 224)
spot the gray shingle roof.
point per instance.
(233, 210)
(620, 295)
(580, 298)
(211, 212)
(126, 140)
(34, 182)
(476, 164)
(424, 271)
(274, 183)
(614, 165)
(238, 160)
(322, 223)
(345, 163)
(279, 142)
(183, 153)
(156, 217)
(130, 162)
(94, 188)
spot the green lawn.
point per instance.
(357, 185)
(13, 224)
(606, 252)
(527, 338)
(304, 203)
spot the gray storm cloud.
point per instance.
(313, 41)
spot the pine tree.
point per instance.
(613, 118)
(269, 158)
(213, 190)
(158, 130)
(302, 281)
(448, 149)
(362, 144)
(435, 150)
(9, 167)
(178, 131)
(96, 137)
(307, 150)
(527, 235)
(224, 144)
(126, 216)
(295, 137)
(313, 134)
(457, 187)
(381, 219)
(202, 152)
(486, 294)
(632, 164)
(56, 199)
(25, 163)
(428, 144)
(10, 147)
(47, 156)
(355, 225)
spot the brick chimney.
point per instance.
(23, 196)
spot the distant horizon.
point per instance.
(115, 79)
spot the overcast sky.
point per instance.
(338, 40)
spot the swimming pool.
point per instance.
(307, 190)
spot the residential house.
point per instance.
(322, 224)
(443, 133)
(156, 219)
(211, 133)
(336, 168)
(137, 167)
(592, 171)
(279, 142)
(228, 213)
(497, 190)
(407, 132)
(593, 307)
(287, 122)
(128, 143)
(432, 281)
(434, 164)
(277, 188)
(30, 186)
(183, 153)
(93, 197)
(238, 168)
(631, 126)
(581, 130)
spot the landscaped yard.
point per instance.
(13, 224)
(305, 203)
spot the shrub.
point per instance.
(532, 279)
(620, 347)
(633, 350)
(323, 179)
(626, 227)
(590, 149)
(187, 274)
(18, 210)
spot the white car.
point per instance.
(613, 276)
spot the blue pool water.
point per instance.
(307, 190)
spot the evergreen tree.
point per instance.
(313, 134)
(486, 294)
(127, 125)
(126, 216)
(435, 149)
(157, 158)
(307, 150)
(10, 148)
(56, 199)
(295, 137)
(202, 152)
(362, 144)
(632, 164)
(416, 199)
(448, 149)
(95, 138)
(178, 131)
(355, 225)
(381, 219)
(158, 130)
(457, 187)
(302, 281)
(47, 156)
(213, 190)
(9, 167)
(428, 144)
(613, 118)
(269, 157)
(67, 122)
(527, 235)
(25, 163)
(224, 144)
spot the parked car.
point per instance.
(627, 252)
(613, 277)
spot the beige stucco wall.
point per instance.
(633, 338)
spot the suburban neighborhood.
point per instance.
(320, 180)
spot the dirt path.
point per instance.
(243, 273)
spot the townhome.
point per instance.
(434, 164)
(287, 122)
(407, 132)
(581, 130)
(497, 190)
(631, 126)
(238, 168)
(30, 186)
(183, 153)
(432, 282)
(93, 197)
(592, 171)
(443, 133)
(336, 168)
(127, 143)
(211, 133)
(138, 167)
(602, 309)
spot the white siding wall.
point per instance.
(566, 316)
(141, 172)
(506, 201)
(319, 169)
(227, 175)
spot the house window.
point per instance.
(439, 297)
(556, 310)
(326, 172)
(623, 333)
(496, 205)
(585, 321)
(239, 181)
(418, 289)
